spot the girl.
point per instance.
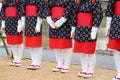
(11, 14)
(32, 20)
(88, 18)
(59, 19)
(113, 31)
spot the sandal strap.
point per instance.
(16, 62)
(117, 78)
(65, 69)
(83, 73)
(58, 68)
(34, 65)
(90, 74)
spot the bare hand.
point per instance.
(3, 29)
(23, 27)
(108, 32)
(72, 35)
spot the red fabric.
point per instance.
(31, 10)
(3, 1)
(16, 39)
(93, 1)
(117, 8)
(84, 19)
(56, 43)
(57, 12)
(17, 1)
(33, 41)
(114, 44)
(84, 47)
(11, 12)
(77, 1)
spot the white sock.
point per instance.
(117, 62)
(84, 62)
(67, 57)
(14, 49)
(36, 55)
(92, 63)
(20, 52)
(59, 57)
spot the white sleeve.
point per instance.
(94, 32)
(3, 24)
(50, 22)
(60, 22)
(38, 24)
(19, 27)
(0, 6)
(108, 23)
(72, 30)
(23, 21)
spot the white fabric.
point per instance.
(60, 22)
(36, 55)
(91, 63)
(14, 51)
(2, 24)
(117, 62)
(59, 57)
(17, 51)
(22, 21)
(50, 22)
(0, 6)
(19, 27)
(108, 24)
(94, 32)
(20, 52)
(84, 62)
(67, 57)
(72, 31)
(38, 24)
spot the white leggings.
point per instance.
(17, 51)
(63, 57)
(88, 62)
(117, 61)
(36, 55)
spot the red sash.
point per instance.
(11, 11)
(31, 10)
(57, 12)
(117, 8)
(84, 19)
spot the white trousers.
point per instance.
(88, 62)
(17, 51)
(117, 61)
(36, 55)
(63, 57)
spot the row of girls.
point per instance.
(67, 19)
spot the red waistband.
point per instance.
(31, 10)
(57, 12)
(117, 8)
(84, 19)
(11, 11)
